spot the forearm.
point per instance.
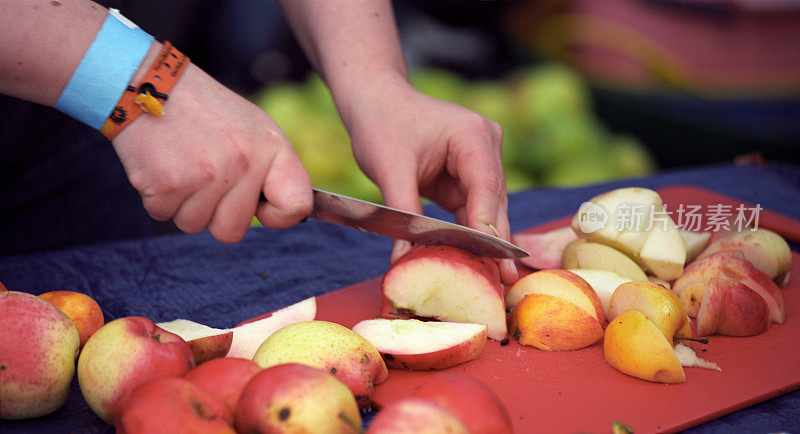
(42, 44)
(353, 44)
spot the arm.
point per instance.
(202, 164)
(438, 149)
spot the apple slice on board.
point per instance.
(448, 284)
(545, 248)
(596, 256)
(244, 339)
(423, 345)
(732, 309)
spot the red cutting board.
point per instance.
(576, 391)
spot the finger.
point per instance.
(234, 213)
(401, 193)
(196, 211)
(287, 188)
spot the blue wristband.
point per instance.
(105, 71)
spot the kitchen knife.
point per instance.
(397, 224)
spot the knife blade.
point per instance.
(394, 223)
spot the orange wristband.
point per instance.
(150, 94)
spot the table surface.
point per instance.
(196, 277)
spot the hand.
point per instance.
(207, 159)
(410, 143)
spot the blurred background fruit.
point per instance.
(551, 135)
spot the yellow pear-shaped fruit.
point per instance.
(635, 346)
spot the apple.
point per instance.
(765, 249)
(352, 359)
(469, 400)
(604, 283)
(297, 398)
(729, 265)
(635, 346)
(598, 256)
(414, 415)
(38, 348)
(423, 345)
(658, 304)
(633, 221)
(174, 405)
(732, 309)
(83, 310)
(224, 378)
(248, 335)
(448, 284)
(618, 218)
(123, 354)
(553, 324)
(695, 242)
(559, 283)
(243, 340)
(664, 251)
(546, 248)
(206, 342)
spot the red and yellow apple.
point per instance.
(728, 265)
(38, 348)
(448, 284)
(352, 359)
(423, 345)
(731, 308)
(173, 405)
(558, 311)
(414, 415)
(766, 250)
(474, 404)
(224, 378)
(297, 398)
(124, 354)
(656, 303)
(83, 310)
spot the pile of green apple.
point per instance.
(551, 136)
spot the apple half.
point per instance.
(765, 249)
(241, 341)
(447, 284)
(423, 345)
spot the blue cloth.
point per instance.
(195, 277)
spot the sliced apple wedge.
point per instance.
(206, 342)
(691, 286)
(635, 346)
(249, 335)
(732, 309)
(423, 345)
(448, 284)
(604, 283)
(658, 304)
(243, 340)
(601, 257)
(664, 252)
(555, 310)
(765, 249)
(619, 218)
(551, 323)
(545, 248)
(559, 283)
(742, 271)
(695, 242)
